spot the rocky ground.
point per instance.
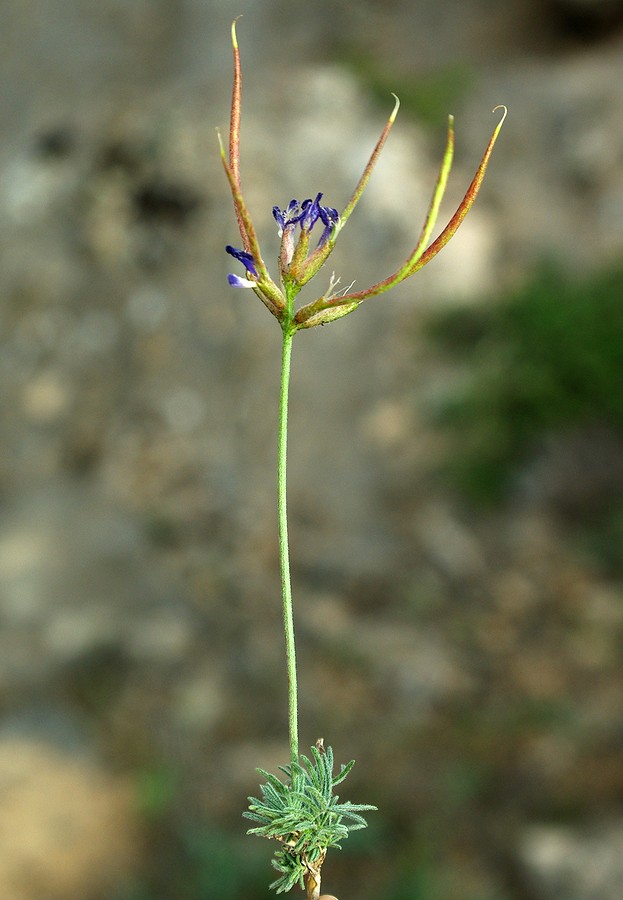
(470, 661)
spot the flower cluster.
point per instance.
(293, 262)
(297, 263)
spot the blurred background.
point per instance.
(456, 449)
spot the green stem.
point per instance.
(284, 553)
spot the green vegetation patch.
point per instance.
(428, 97)
(540, 361)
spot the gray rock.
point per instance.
(575, 864)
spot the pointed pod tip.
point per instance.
(234, 39)
(396, 107)
(504, 113)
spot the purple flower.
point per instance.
(237, 281)
(245, 258)
(310, 213)
(329, 218)
(288, 216)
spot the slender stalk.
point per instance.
(284, 552)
